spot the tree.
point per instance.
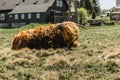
(96, 7)
(93, 14)
(92, 7)
(82, 3)
(76, 15)
(82, 15)
(88, 6)
(69, 9)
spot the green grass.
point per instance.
(96, 58)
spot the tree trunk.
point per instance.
(69, 9)
(76, 15)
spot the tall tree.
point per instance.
(92, 6)
(69, 9)
(76, 15)
(88, 6)
(82, 3)
(96, 6)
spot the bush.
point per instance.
(82, 15)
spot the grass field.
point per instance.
(96, 58)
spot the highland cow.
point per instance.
(58, 35)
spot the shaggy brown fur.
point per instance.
(56, 35)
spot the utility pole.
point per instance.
(76, 15)
(69, 9)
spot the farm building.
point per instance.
(6, 6)
(116, 14)
(20, 12)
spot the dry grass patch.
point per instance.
(49, 75)
(57, 60)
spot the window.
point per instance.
(37, 15)
(59, 3)
(10, 16)
(22, 16)
(29, 16)
(16, 16)
(2, 16)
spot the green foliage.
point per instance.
(82, 3)
(82, 15)
(96, 7)
(89, 6)
(92, 6)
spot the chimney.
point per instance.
(35, 2)
(17, 3)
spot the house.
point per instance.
(5, 7)
(115, 15)
(20, 12)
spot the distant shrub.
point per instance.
(82, 15)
